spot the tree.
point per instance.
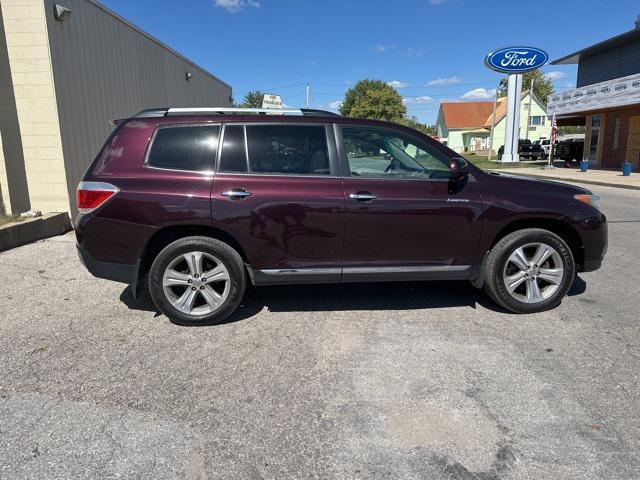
(542, 86)
(373, 99)
(414, 123)
(252, 100)
(571, 129)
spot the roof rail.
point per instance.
(230, 110)
(163, 112)
(151, 112)
(320, 113)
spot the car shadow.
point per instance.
(351, 296)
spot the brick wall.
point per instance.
(612, 157)
(29, 59)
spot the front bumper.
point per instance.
(595, 239)
(591, 265)
(116, 272)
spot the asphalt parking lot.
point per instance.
(415, 381)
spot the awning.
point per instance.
(478, 131)
(572, 121)
(624, 91)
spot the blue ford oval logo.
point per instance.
(516, 59)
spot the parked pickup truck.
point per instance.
(545, 144)
(527, 149)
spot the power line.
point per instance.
(282, 87)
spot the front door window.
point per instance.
(381, 154)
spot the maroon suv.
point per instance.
(199, 202)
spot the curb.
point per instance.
(574, 180)
(49, 225)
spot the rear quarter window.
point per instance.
(191, 147)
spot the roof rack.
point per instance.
(151, 112)
(320, 113)
(164, 112)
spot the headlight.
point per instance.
(593, 200)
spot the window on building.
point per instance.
(185, 148)
(616, 132)
(537, 120)
(233, 158)
(288, 149)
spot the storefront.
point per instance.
(606, 100)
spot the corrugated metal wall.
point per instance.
(104, 68)
(614, 63)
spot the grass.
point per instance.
(484, 163)
(5, 219)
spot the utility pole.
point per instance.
(308, 95)
(529, 112)
(493, 125)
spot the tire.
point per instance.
(512, 269)
(179, 286)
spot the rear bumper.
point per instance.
(116, 272)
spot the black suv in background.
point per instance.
(527, 149)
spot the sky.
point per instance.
(429, 50)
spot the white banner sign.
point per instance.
(612, 93)
(272, 101)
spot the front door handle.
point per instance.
(362, 196)
(237, 193)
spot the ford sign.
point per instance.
(516, 59)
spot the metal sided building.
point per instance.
(68, 67)
(606, 100)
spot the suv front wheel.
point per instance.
(529, 271)
(197, 281)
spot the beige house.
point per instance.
(67, 67)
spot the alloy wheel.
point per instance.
(533, 272)
(196, 283)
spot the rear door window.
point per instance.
(190, 147)
(288, 149)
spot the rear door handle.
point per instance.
(237, 193)
(362, 196)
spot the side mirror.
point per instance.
(459, 169)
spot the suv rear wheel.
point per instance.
(529, 271)
(197, 280)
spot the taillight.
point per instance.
(90, 195)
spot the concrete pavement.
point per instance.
(591, 177)
(410, 381)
